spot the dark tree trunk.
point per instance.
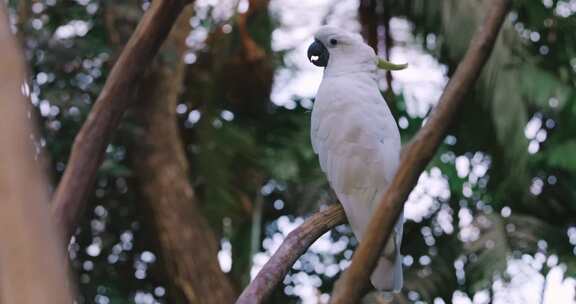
(188, 246)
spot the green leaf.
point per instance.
(562, 156)
(539, 85)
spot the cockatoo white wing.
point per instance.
(358, 144)
(355, 135)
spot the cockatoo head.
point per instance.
(334, 46)
(337, 49)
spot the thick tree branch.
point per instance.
(414, 159)
(91, 142)
(31, 258)
(417, 155)
(295, 244)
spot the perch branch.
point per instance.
(295, 244)
(417, 155)
(90, 144)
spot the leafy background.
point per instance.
(492, 219)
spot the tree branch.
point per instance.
(31, 259)
(417, 155)
(90, 144)
(295, 244)
(252, 51)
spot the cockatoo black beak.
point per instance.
(318, 54)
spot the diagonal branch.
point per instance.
(91, 142)
(417, 155)
(295, 244)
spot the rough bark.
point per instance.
(417, 155)
(31, 256)
(90, 144)
(188, 246)
(295, 244)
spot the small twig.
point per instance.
(417, 155)
(295, 244)
(255, 231)
(252, 52)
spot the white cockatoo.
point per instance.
(356, 137)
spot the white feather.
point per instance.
(358, 144)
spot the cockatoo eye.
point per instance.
(333, 42)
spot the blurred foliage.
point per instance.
(508, 165)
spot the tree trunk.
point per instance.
(31, 259)
(188, 246)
